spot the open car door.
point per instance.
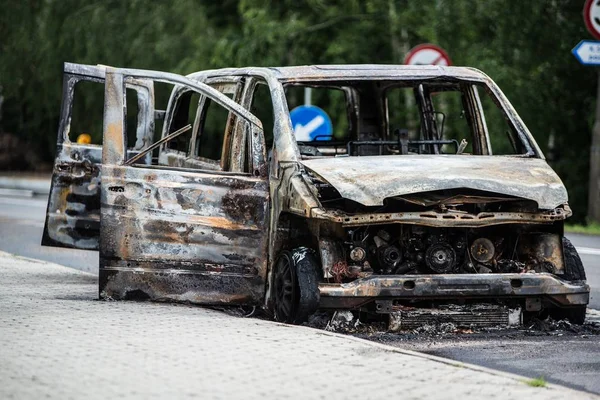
(73, 212)
(196, 232)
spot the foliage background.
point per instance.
(523, 45)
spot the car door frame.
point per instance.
(189, 158)
(73, 209)
(181, 234)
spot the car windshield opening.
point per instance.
(360, 118)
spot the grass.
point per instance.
(537, 382)
(593, 228)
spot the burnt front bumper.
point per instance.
(543, 286)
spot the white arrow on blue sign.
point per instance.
(311, 123)
(587, 52)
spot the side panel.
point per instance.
(178, 233)
(183, 235)
(73, 212)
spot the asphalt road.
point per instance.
(589, 250)
(571, 359)
(561, 357)
(21, 226)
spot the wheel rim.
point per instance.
(285, 289)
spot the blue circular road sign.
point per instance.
(310, 122)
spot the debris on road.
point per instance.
(477, 315)
(447, 321)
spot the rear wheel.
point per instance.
(574, 272)
(295, 286)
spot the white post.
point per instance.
(307, 96)
(594, 182)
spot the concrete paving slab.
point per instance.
(59, 342)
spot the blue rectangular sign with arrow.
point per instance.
(587, 52)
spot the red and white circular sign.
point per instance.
(591, 16)
(428, 54)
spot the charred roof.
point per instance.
(350, 72)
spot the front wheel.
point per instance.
(574, 272)
(295, 285)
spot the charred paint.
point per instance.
(73, 213)
(244, 207)
(464, 286)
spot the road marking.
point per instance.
(26, 222)
(592, 315)
(590, 251)
(23, 202)
(16, 192)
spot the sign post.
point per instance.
(594, 182)
(588, 53)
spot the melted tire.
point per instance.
(307, 268)
(573, 266)
(296, 285)
(574, 272)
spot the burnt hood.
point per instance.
(371, 179)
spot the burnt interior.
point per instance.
(391, 117)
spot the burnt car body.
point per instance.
(375, 218)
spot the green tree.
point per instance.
(524, 46)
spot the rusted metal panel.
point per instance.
(201, 228)
(115, 141)
(442, 219)
(349, 72)
(332, 255)
(462, 286)
(181, 234)
(73, 212)
(479, 315)
(369, 180)
(258, 161)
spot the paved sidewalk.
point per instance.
(58, 342)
